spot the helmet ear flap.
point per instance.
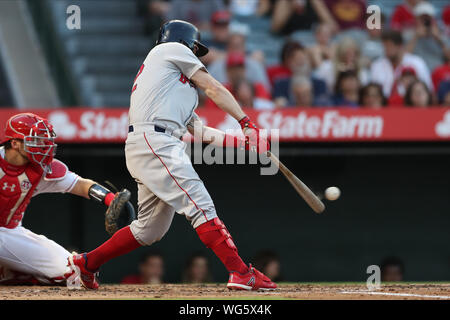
(202, 49)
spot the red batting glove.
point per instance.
(254, 141)
(234, 142)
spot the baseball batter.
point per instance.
(27, 168)
(163, 100)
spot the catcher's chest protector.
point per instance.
(16, 188)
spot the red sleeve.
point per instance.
(435, 77)
(401, 18)
(261, 91)
(209, 104)
(271, 72)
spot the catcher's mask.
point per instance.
(37, 135)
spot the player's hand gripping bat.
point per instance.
(303, 190)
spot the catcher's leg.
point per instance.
(24, 254)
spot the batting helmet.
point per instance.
(37, 135)
(183, 32)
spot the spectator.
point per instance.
(323, 49)
(244, 8)
(407, 77)
(248, 94)
(151, 270)
(427, 40)
(371, 96)
(442, 73)
(265, 7)
(386, 70)
(346, 92)
(348, 14)
(392, 270)
(302, 90)
(446, 20)
(418, 95)
(292, 15)
(197, 269)
(268, 263)
(444, 93)
(197, 12)
(347, 58)
(293, 59)
(403, 17)
(255, 71)
(154, 13)
(288, 91)
(220, 32)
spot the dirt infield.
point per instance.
(219, 291)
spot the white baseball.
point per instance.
(332, 193)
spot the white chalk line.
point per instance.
(396, 294)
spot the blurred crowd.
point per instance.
(196, 268)
(150, 269)
(406, 63)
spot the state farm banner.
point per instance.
(84, 125)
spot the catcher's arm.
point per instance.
(120, 211)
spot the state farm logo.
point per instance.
(91, 125)
(100, 126)
(62, 125)
(443, 127)
(331, 124)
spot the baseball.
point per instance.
(332, 193)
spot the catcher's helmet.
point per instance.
(37, 135)
(183, 32)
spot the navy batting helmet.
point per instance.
(183, 32)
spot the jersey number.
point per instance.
(138, 74)
(183, 79)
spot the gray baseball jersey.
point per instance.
(162, 92)
(163, 95)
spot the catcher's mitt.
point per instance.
(120, 212)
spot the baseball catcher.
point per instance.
(28, 168)
(163, 99)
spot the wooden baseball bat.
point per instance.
(302, 189)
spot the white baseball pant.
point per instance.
(167, 183)
(24, 251)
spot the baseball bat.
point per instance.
(311, 199)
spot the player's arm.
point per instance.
(225, 101)
(90, 189)
(215, 136)
(120, 211)
(81, 188)
(218, 93)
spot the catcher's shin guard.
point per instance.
(216, 236)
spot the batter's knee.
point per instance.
(145, 235)
(202, 216)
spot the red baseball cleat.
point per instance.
(78, 263)
(252, 280)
